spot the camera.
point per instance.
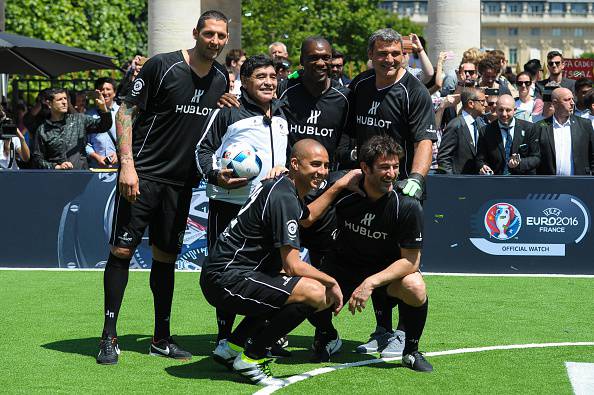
(492, 92)
(548, 91)
(467, 83)
(8, 129)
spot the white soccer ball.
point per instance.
(242, 159)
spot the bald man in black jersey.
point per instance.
(242, 274)
(377, 249)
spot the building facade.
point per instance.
(524, 29)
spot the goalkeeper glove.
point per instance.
(413, 186)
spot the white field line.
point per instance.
(316, 372)
(535, 275)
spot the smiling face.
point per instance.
(261, 85)
(315, 59)
(386, 58)
(380, 177)
(310, 167)
(211, 39)
(108, 92)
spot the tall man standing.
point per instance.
(388, 100)
(158, 126)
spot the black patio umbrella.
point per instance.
(30, 56)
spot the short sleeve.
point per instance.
(145, 84)
(410, 223)
(16, 142)
(421, 118)
(284, 212)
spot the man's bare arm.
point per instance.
(128, 180)
(124, 120)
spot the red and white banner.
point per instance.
(578, 68)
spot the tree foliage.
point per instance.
(116, 28)
(345, 23)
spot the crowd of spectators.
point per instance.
(479, 104)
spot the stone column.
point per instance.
(170, 24)
(453, 25)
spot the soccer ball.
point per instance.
(242, 159)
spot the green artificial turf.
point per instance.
(51, 322)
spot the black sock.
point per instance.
(397, 302)
(115, 279)
(322, 321)
(281, 323)
(162, 281)
(414, 319)
(225, 322)
(248, 327)
(382, 309)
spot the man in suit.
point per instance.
(457, 152)
(566, 143)
(508, 145)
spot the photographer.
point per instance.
(11, 144)
(61, 139)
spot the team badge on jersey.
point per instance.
(292, 228)
(137, 86)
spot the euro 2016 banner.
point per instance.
(473, 224)
(490, 224)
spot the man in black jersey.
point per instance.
(316, 106)
(158, 126)
(378, 248)
(242, 274)
(389, 100)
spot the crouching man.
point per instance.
(378, 247)
(242, 274)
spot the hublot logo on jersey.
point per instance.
(371, 121)
(194, 108)
(311, 130)
(197, 95)
(367, 219)
(363, 231)
(313, 118)
(373, 108)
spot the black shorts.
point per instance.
(220, 214)
(247, 293)
(162, 207)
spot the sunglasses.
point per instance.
(525, 83)
(551, 64)
(491, 103)
(470, 72)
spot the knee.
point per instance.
(122, 252)
(415, 288)
(315, 295)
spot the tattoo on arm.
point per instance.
(124, 120)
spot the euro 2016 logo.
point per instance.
(503, 221)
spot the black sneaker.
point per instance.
(108, 351)
(168, 348)
(416, 361)
(325, 344)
